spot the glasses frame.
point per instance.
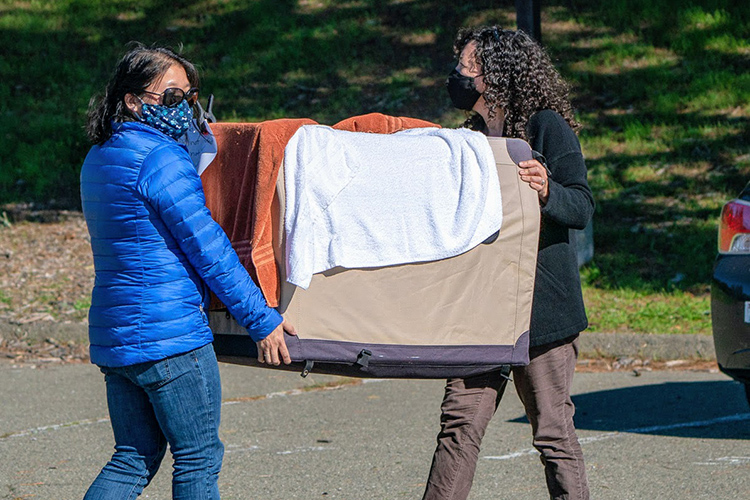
(176, 93)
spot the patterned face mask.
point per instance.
(172, 121)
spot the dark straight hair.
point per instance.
(137, 69)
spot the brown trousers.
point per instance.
(470, 403)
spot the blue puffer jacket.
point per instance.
(155, 248)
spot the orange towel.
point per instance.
(379, 123)
(240, 185)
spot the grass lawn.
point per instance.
(661, 86)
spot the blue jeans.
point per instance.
(177, 401)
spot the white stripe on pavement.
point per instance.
(232, 401)
(53, 427)
(740, 417)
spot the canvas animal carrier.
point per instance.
(454, 317)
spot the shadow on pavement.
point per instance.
(708, 410)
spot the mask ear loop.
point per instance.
(140, 117)
(120, 111)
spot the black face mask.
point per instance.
(464, 94)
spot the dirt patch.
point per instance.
(46, 267)
(49, 352)
(46, 277)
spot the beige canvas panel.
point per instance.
(478, 298)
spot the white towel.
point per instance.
(356, 200)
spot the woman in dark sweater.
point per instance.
(509, 81)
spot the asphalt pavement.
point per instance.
(661, 435)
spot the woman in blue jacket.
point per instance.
(157, 251)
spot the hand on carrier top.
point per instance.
(272, 349)
(536, 175)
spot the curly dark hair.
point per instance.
(519, 77)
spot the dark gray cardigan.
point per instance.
(558, 311)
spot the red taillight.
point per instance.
(734, 227)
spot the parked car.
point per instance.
(730, 291)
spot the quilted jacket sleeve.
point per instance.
(172, 187)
